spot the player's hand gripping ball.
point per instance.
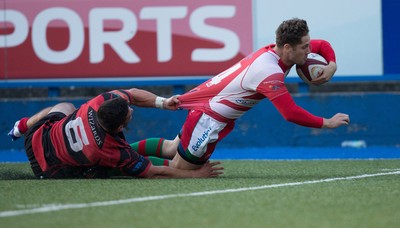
(312, 68)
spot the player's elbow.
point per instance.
(290, 119)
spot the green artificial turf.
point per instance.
(286, 197)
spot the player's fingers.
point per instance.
(318, 81)
(214, 163)
(176, 100)
(214, 167)
(344, 119)
(216, 174)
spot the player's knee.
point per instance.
(65, 107)
(179, 163)
(170, 147)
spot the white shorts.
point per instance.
(199, 136)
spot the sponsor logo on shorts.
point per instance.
(202, 139)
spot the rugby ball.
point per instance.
(311, 68)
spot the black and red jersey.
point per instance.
(79, 140)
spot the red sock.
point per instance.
(22, 127)
(166, 162)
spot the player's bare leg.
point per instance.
(170, 148)
(180, 163)
(170, 151)
(35, 118)
(22, 125)
(66, 108)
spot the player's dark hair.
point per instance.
(112, 114)
(291, 31)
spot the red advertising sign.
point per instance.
(120, 38)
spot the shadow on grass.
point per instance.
(13, 175)
(16, 171)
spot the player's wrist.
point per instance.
(159, 102)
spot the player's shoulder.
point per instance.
(267, 63)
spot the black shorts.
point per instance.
(50, 118)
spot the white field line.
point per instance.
(59, 207)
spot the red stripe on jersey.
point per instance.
(235, 106)
(256, 96)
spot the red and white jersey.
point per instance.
(233, 92)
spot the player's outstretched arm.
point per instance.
(208, 170)
(143, 98)
(337, 120)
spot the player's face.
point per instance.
(300, 51)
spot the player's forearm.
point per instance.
(169, 172)
(294, 113)
(208, 170)
(330, 70)
(304, 118)
(143, 98)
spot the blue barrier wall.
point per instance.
(374, 119)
